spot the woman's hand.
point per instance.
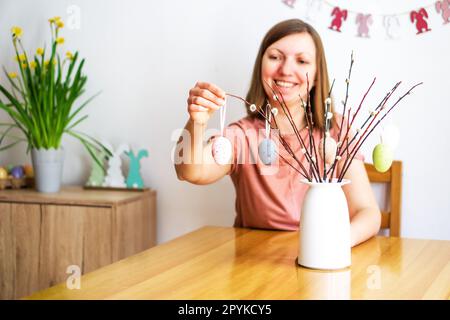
(203, 100)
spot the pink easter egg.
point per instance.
(221, 150)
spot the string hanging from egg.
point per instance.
(267, 149)
(222, 148)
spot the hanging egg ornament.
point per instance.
(330, 149)
(382, 157)
(221, 150)
(267, 151)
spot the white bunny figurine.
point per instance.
(114, 177)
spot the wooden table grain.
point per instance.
(235, 263)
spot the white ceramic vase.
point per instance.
(324, 240)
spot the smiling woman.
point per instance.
(290, 67)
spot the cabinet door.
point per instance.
(19, 249)
(97, 249)
(134, 228)
(7, 254)
(26, 220)
(73, 235)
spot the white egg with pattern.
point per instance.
(221, 150)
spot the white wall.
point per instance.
(145, 55)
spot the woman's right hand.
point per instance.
(203, 100)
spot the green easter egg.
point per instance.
(382, 157)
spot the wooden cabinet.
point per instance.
(41, 235)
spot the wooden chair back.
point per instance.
(393, 177)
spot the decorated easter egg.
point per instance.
(221, 150)
(267, 151)
(3, 173)
(330, 149)
(382, 157)
(17, 172)
(28, 168)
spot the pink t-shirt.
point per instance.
(268, 197)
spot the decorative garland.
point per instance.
(340, 17)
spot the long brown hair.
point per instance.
(319, 92)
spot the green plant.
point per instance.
(43, 94)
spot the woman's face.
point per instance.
(285, 64)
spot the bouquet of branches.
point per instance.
(332, 152)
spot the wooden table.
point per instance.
(232, 263)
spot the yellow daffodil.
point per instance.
(60, 40)
(69, 55)
(46, 62)
(21, 57)
(33, 64)
(24, 65)
(12, 75)
(40, 51)
(54, 19)
(16, 32)
(59, 24)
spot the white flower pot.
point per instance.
(324, 240)
(48, 168)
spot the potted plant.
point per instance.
(41, 104)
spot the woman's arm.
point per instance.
(195, 162)
(193, 159)
(365, 216)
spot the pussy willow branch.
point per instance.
(341, 144)
(288, 148)
(309, 126)
(327, 130)
(315, 163)
(362, 101)
(381, 106)
(306, 177)
(288, 115)
(372, 116)
(387, 112)
(346, 94)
